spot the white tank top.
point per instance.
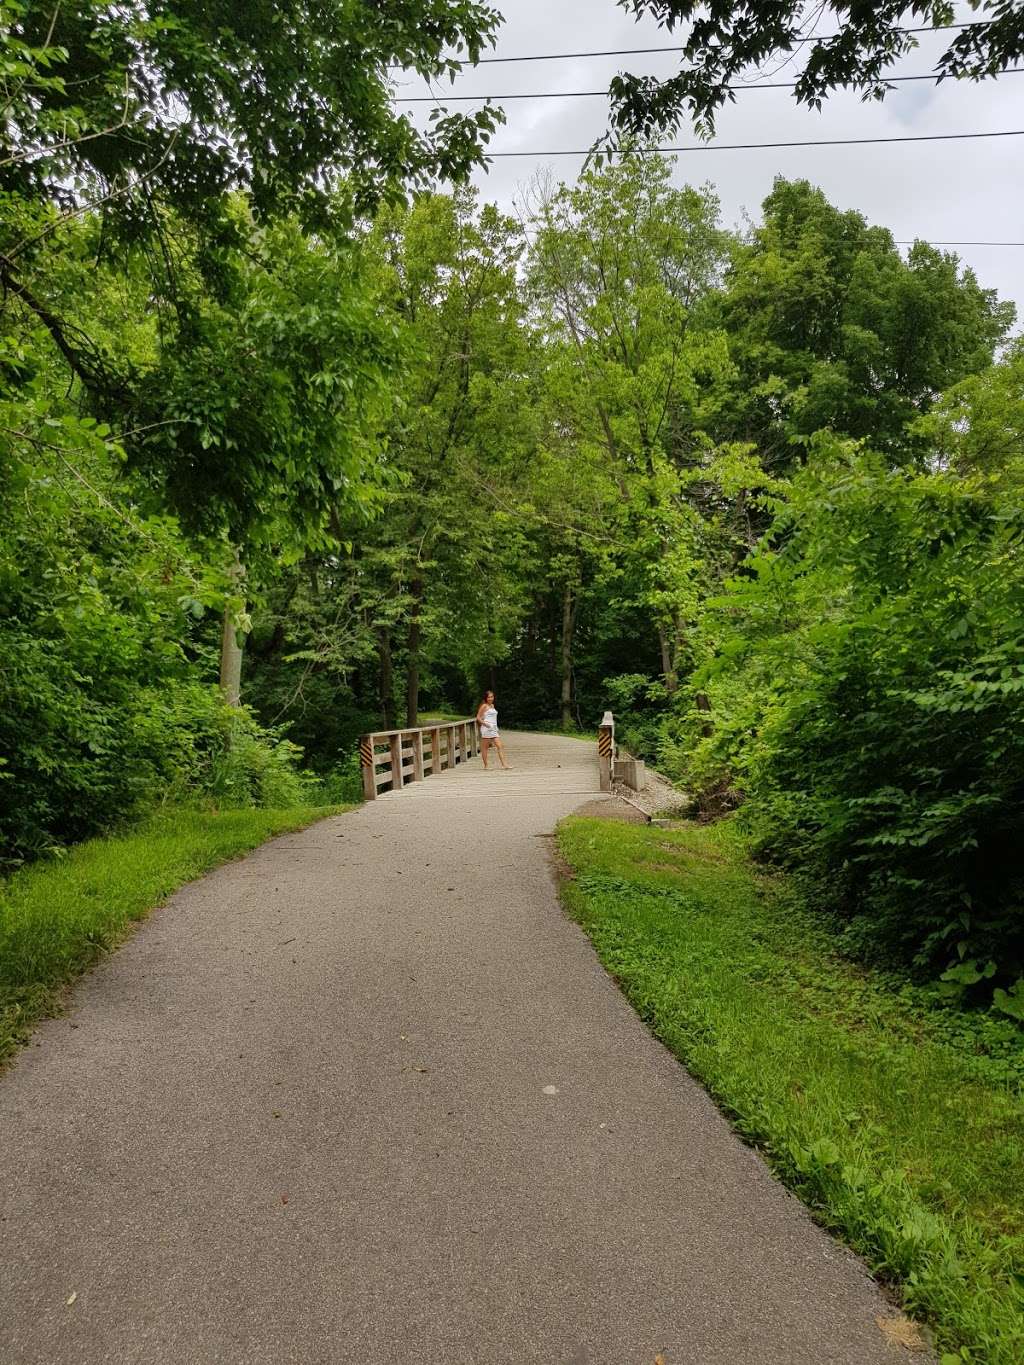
(489, 722)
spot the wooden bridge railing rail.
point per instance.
(391, 758)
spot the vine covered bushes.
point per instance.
(869, 676)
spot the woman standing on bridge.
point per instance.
(487, 719)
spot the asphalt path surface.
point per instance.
(367, 1096)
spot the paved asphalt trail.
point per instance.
(367, 1096)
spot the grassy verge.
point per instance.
(899, 1121)
(57, 918)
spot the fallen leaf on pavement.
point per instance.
(73, 1297)
(901, 1332)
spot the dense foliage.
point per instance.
(194, 367)
(871, 684)
(760, 494)
(196, 99)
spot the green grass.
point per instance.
(58, 917)
(553, 728)
(898, 1120)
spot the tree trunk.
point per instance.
(230, 660)
(568, 621)
(412, 671)
(704, 706)
(230, 647)
(386, 679)
(668, 666)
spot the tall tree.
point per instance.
(624, 267)
(463, 425)
(153, 121)
(431, 584)
(829, 326)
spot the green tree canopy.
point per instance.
(279, 98)
(859, 47)
(830, 326)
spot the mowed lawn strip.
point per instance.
(58, 917)
(898, 1120)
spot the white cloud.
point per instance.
(967, 190)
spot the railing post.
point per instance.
(606, 750)
(367, 766)
(417, 756)
(435, 752)
(395, 745)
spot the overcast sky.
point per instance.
(939, 191)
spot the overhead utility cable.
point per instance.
(930, 242)
(640, 51)
(581, 94)
(752, 146)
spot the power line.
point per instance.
(639, 51)
(581, 94)
(752, 146)
(929, 241)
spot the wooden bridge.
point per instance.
(392, 760)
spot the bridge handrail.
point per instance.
(410, 758)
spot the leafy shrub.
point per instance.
(104, 710)
(869, 697)
(638, 703)
(342, 785)
(79, 760)
(250, 766)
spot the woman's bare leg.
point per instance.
(501, 752)
(485, 745)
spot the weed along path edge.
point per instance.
(368, 1096)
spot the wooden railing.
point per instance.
(606, 750)
(391, 758)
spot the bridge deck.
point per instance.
(541, 765)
